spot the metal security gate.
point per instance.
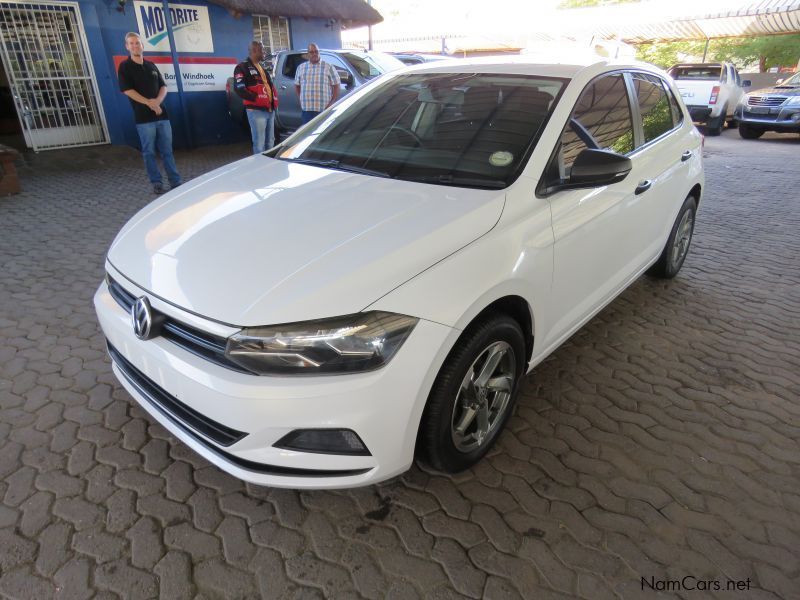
(47, 63)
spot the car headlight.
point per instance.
(793, 101)
(349, 344)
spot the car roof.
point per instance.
(562, 65)
(714, 64)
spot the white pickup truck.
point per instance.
(711, 92)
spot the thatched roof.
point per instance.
(352, 13)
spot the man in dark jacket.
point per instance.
(253, 84)
(141, 81)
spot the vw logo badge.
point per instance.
(142, 317)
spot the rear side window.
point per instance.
(704, 73)
(601, 119)
(654, 106)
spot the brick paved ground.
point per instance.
(660, 441)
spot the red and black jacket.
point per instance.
(248, 85)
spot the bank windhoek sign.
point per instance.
(190, 26)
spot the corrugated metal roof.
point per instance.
(665, 20)
(352, 12)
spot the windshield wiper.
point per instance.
(339, 166)
(457, 181)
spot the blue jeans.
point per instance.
(307, 115)
(262, 128)
(158, 136)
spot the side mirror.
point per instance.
(747, 83)
(593, 168)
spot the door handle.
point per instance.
(643, 186)
(686, 156)
(283, 87)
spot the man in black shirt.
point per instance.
(141, 82)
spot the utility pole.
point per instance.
(187, 126)
(369, 31)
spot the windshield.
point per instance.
(463, 129)
(703, 72)
(370, 66)
(793, 81)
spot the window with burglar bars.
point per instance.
(273, 32)
(46, 60)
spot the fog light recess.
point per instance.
(324, 441)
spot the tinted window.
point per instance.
(677, 112)
(654, 106)
(291, 63)
(601, 119)
(463, 129)
(700, 72)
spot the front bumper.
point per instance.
(383, 407)
(780, 118)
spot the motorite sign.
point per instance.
(190, 26)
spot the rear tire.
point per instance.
(749, 132)
(473, 395)
(714, 126)
(678, 242)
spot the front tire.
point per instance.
(473, 395)
(678, 242)
(748, 132)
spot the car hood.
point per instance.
(778, 91)
(264, 241)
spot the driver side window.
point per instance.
(601, 119)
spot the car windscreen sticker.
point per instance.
(501, 159)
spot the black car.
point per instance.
(771, 109)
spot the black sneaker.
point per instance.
(158, 188)
(172, 186)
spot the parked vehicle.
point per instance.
(414, 58)
(771, 109)
(379, 283)
(355, 68)
(711, 92)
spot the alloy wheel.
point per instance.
(483, 397)
(683, 237)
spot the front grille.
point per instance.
(765, 100)
(185, 417)
(200, 343)
(201, 427)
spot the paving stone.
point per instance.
(661, 439)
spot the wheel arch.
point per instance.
(696, 192)
(518, 309)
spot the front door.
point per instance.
(47, 62)
(289, 116)
(599, 233)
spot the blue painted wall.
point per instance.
(322, 32)
(105, 29)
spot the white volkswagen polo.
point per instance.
(377, 285)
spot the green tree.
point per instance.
(666, 54)
(766, 51)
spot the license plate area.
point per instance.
(758, 110)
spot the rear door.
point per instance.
(662, 156)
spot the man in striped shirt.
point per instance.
(316, 83)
